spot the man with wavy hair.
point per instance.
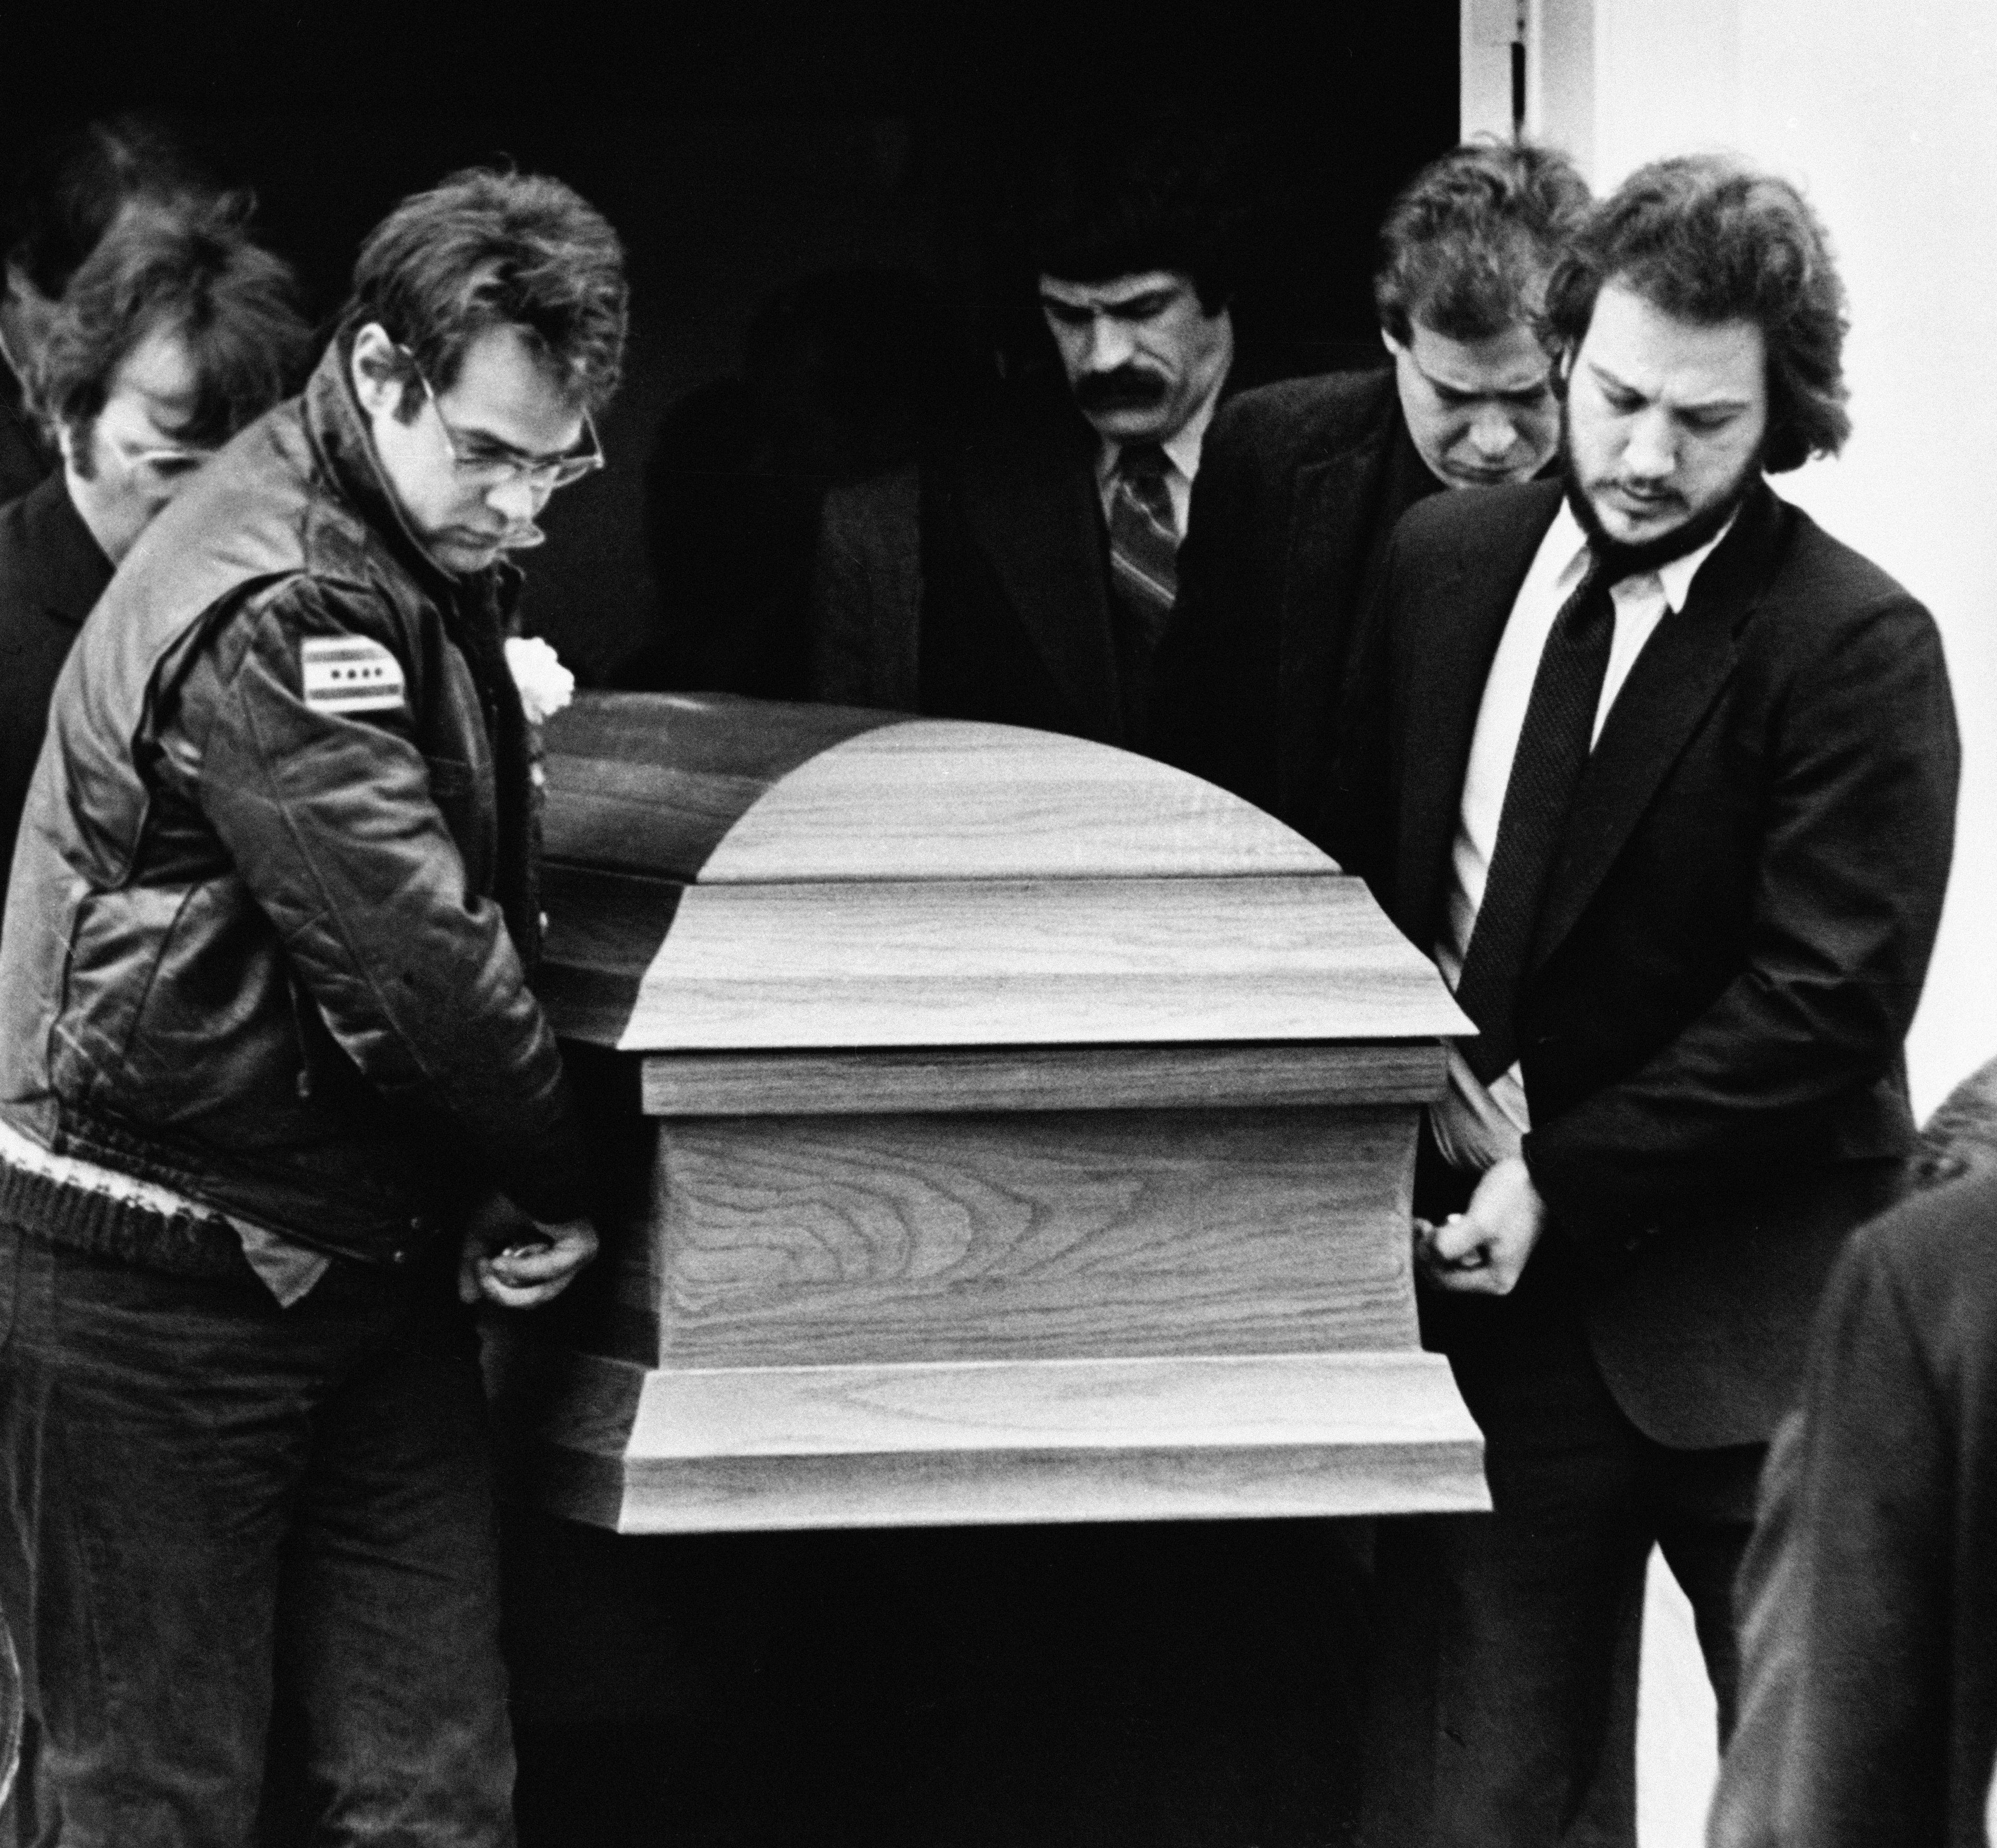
(71, 191)
(1304, 480)
(176, 331)
(1664, 777)
(276, 1101)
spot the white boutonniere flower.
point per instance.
(546, 685)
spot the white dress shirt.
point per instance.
(1181, 453)
(1475, 1126)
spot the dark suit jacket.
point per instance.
(866, 600)
(1300, 487)
(51, 573)
(1016, 613)
(1868, 1702)
(25, 457)
(1733, 939)
(975, 585)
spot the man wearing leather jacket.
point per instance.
(276, 1099)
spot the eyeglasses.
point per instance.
(166, 463)
(477, 460)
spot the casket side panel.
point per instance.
(818, 1240)
(1027, 1134)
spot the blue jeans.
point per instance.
(206, 1500)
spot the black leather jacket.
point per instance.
(256, 944)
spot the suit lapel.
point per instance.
(1675, 680)
(1331, 514)
(66, 572)
(1404, 479)
(1343, 508)
(1458, 625)
(1327, 521)
(1032, 510)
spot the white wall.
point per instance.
(1882, 113)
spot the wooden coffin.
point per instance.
(1015, 1130)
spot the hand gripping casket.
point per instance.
(1010, 1129)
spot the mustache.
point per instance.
(1126, 388)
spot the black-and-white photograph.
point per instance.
(1041, 927)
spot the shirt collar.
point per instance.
(1570, 545)
(1676, 577)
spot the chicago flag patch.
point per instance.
(348, 673)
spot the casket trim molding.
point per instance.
(978, 1443)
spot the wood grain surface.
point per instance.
(1042, 1078)
(947, 799)
(741, 875)
(813, 1240)
(650, 783)
(1072, 1440)
(1037, 962)
(1035, 1137)
(604, 932)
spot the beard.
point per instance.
(1624, 560)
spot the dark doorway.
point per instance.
(738, 148)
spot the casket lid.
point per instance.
(732, 875)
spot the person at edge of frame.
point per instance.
(177, 332)
(1868, 1627)
(277, 1103)
(70, 194)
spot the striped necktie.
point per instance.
(1143, 539)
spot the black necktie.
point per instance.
(1143, 539)
(1553, 744)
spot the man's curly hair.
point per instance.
(74, 187)
(1465, 247)
(1119, 200)
(486, 249)
(1706, 238)
(190, 270)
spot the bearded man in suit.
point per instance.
(1304, 480)
(1664, 777)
